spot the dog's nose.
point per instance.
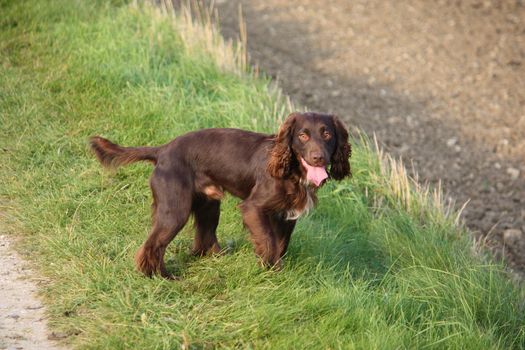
(317, 157)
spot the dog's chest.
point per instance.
(297, 212)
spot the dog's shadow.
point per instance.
(180, 259)
(339, 244)
(337, 236)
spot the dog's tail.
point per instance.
(112, 155)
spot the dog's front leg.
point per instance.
(282, 229)
(262, 235)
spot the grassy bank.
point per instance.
(377, 265)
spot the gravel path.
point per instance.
(441, 83)
(22, 320)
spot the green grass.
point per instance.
(377, 265)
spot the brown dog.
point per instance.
(276, 176)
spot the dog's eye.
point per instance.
(304, 137)
(327, 135)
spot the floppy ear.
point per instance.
(281, 153)
(340, 165)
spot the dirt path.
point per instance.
(22, 321)
(442, 84)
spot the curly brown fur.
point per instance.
(340, 164)
(280, 162)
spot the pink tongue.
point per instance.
(314, 174)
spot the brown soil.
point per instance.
(441, 84)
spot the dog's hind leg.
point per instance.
(172, 195)
(206, 212)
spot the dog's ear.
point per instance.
(281, 153)
(340, 164)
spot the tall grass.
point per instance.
(379, 263)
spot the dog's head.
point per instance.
(313, 141)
